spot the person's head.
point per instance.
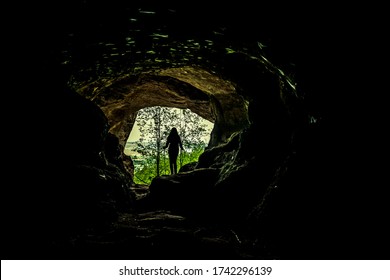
(173, 131)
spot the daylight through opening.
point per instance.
(147, 143)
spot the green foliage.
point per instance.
(154, 125)
(145, 173)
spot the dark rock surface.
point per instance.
(202, 92)
(160, 234)
(287, 176)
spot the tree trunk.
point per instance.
(158, 126)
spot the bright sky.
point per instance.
(135, 133)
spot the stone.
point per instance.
(194, 88)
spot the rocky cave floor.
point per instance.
(162, 234)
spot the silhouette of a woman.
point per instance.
(174, 142)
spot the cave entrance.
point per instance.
(145, 144)
(204, 92)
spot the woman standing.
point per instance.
(174, 142)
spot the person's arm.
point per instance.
(181, 145)
(166, 144)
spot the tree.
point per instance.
(191, 130)
(154, 124)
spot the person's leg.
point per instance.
(171, 167)
(174, 162)
(172, 159)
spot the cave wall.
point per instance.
(323, 193)
(194, 88)
(248, 161)
(71, 178)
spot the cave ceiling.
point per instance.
(125, 57)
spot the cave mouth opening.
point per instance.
(145, 144)
(206, 94)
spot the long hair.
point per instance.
(173, 135)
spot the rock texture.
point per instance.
(279, 180)
(194, 88)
